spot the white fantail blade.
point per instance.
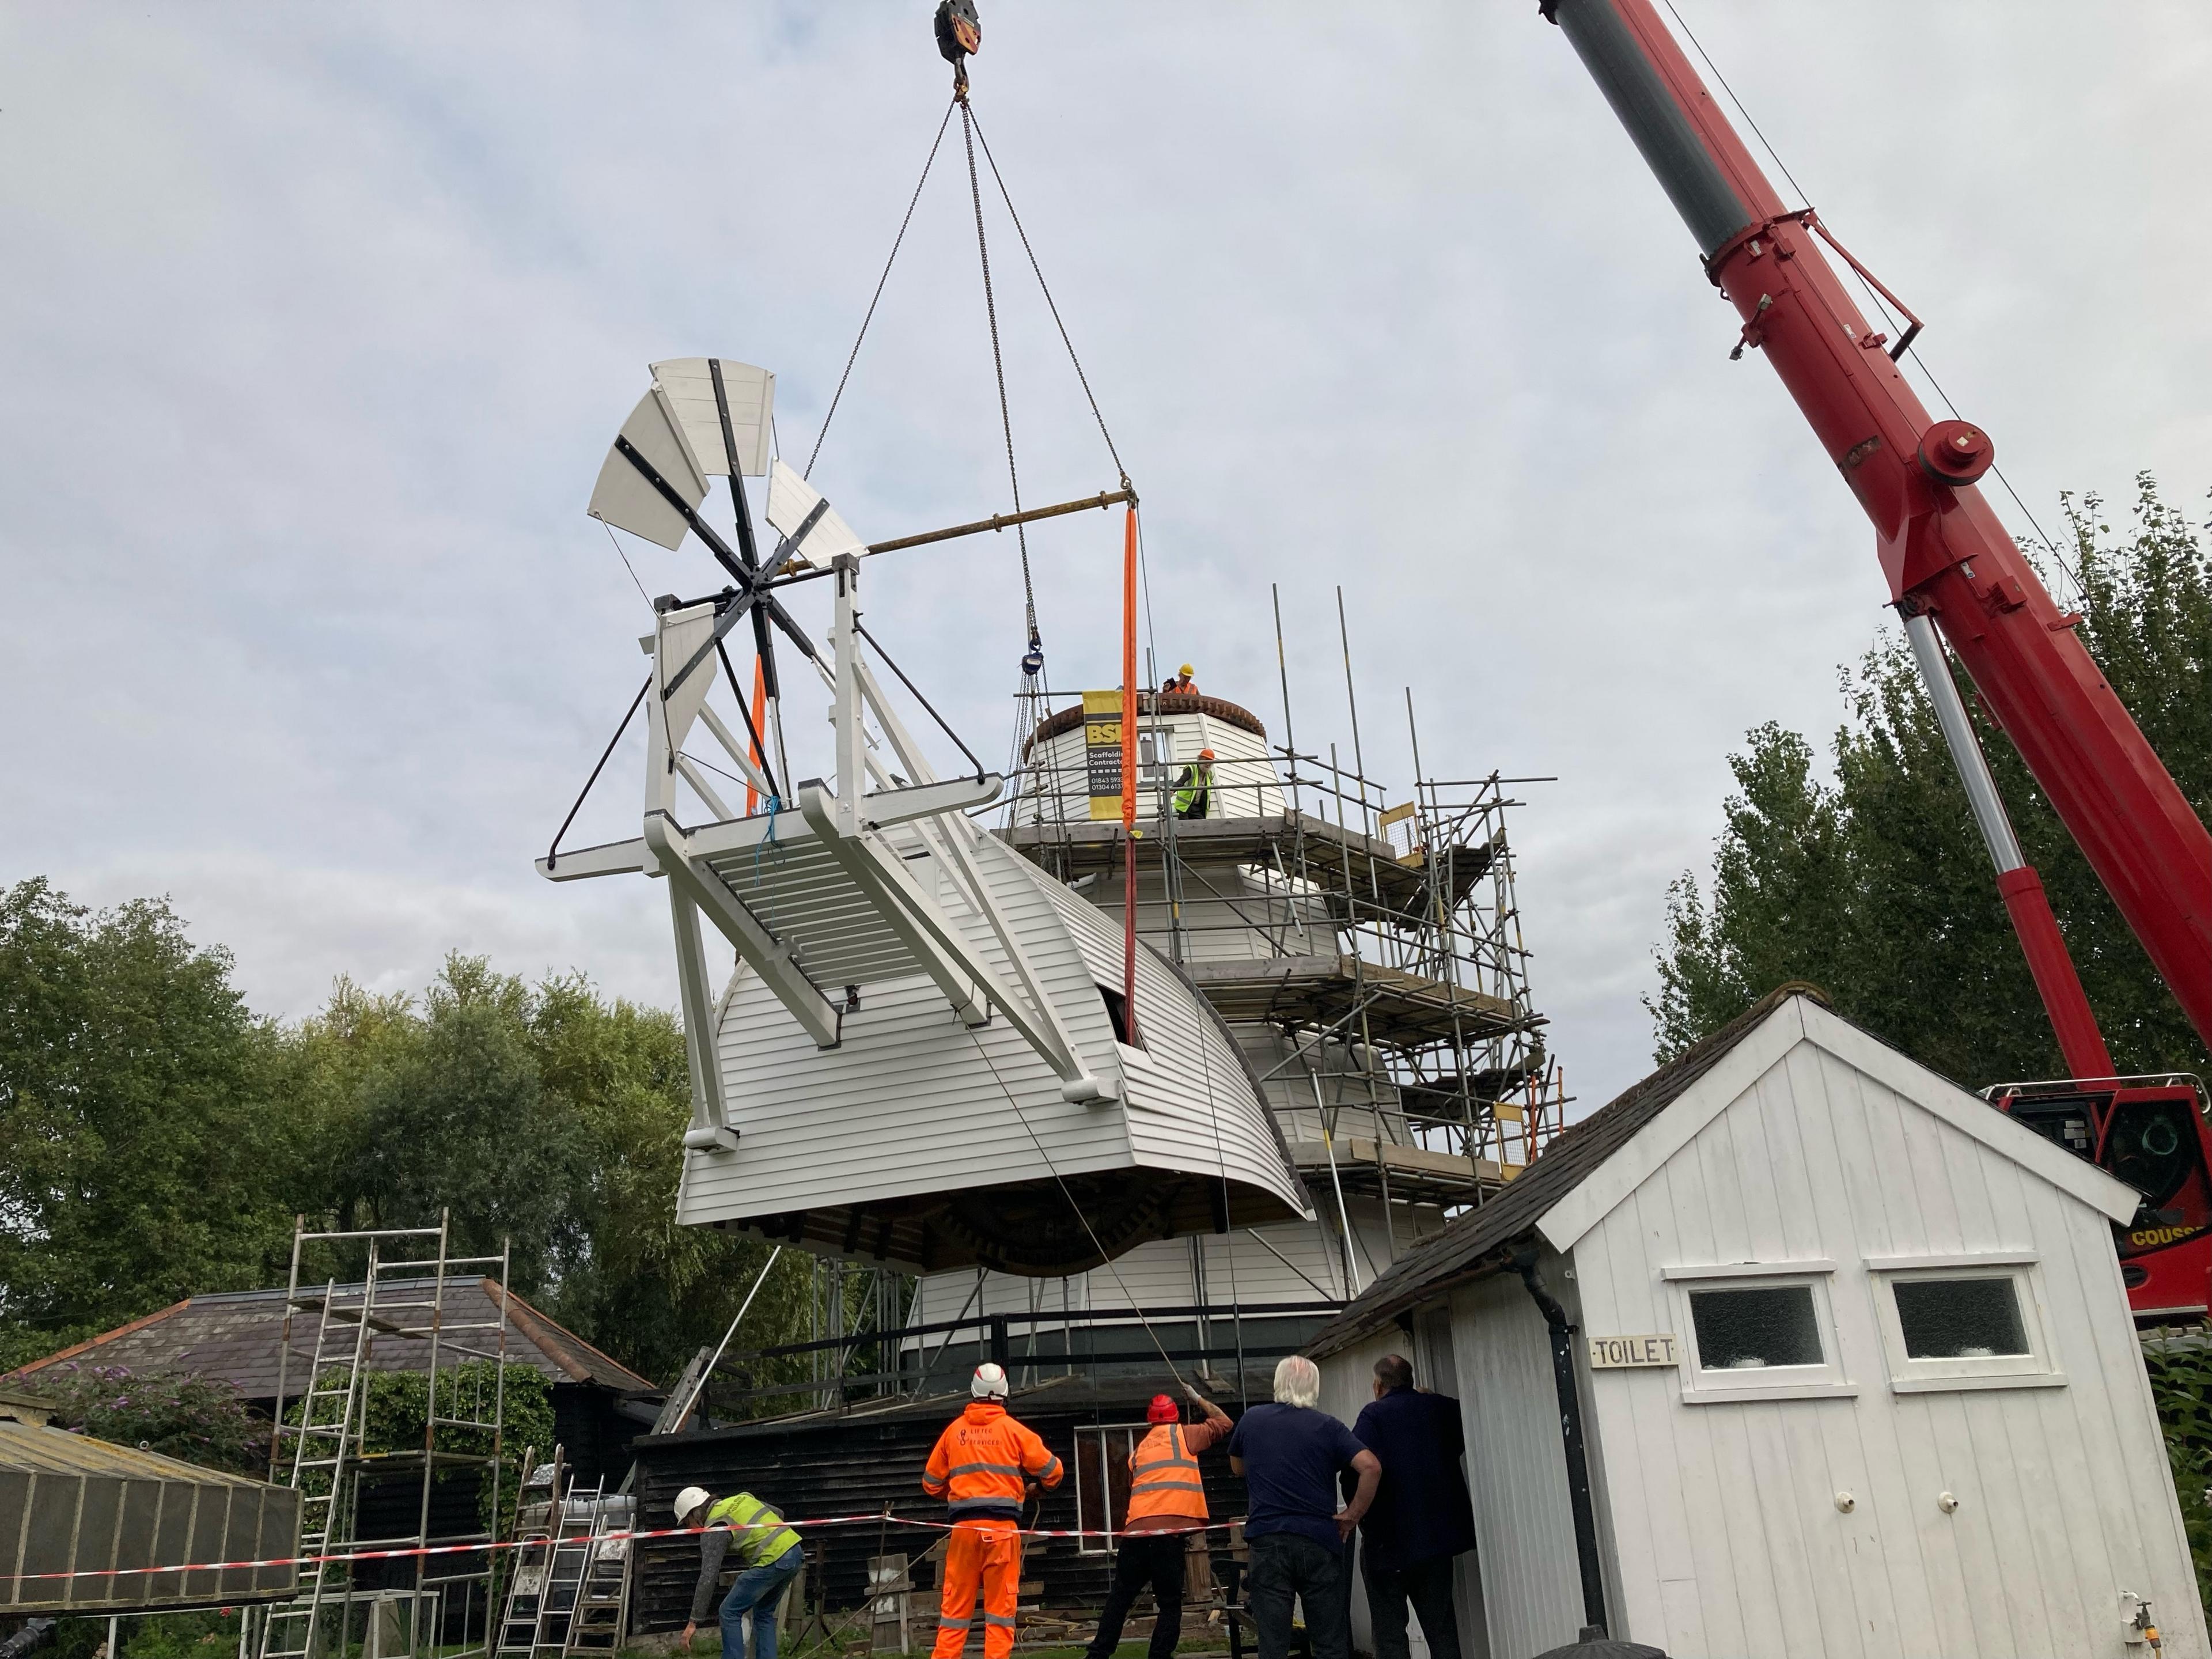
(624, 498)
(808, 526)
(682, 634)
(750, 392)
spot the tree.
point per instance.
(446, 1112)
(156, 1140)
(1874, 885)
(138, 1153)
(194, 1418)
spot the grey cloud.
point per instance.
(316, 321)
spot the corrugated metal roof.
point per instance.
(27, 1451)
(70, 1504)
(237, 1336)
(1471, 1246)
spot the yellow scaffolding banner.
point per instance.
(1102, 751)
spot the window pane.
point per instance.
(1743, 1330)
(1960, 1318)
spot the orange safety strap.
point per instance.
(760, 710)
(1129, 772)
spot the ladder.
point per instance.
(571, 1587)
(324, 1445)
(602, 1614)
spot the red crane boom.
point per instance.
(1945, 554)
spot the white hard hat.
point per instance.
(688, 1500)
(990, 1382)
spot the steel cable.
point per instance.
(852, 356)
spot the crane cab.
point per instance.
(2152, 1133)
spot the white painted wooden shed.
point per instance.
(1850, 1353)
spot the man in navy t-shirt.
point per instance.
(1289, 1455)
(1421, 1517)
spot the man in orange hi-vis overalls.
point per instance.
(980, 1467)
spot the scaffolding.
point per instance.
(1373, 934)
(385, 1590)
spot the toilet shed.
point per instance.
(1795, 1348)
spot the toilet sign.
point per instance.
(1618, 1352)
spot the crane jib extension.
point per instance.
(1942, 549)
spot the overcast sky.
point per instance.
(315, 322)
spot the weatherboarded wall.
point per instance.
(1726, 1526)
(1516, 1473)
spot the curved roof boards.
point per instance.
(927, 1143)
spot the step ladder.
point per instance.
(570, 1592)
(602, 1614)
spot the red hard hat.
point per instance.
(1162, 1410)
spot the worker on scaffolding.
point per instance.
(1179, 681)
(1167, 1509)
(769, 1558)
(1193, 790)
(982, 1465)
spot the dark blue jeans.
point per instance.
(1287, 1565)
(757, 1590)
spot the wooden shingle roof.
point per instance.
(237, 1337)
(1477, 1244)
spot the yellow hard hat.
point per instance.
(1186, 671)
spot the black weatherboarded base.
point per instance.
(855, 1463)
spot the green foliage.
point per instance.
(198, 1420)
(137, 1145)
(395, 1414)
(2180, 1368)
(1873, 883)
(156, 1141)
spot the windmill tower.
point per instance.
(1366, 956)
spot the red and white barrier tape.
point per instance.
(879, 1518)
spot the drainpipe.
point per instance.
(1570, 1439)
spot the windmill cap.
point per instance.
(989, 1382)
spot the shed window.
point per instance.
(1757, 1330)
(1962, 1323)
(1960, 1318)
(1753, 1328)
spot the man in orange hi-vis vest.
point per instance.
(980, 1467)
(1167, 1499)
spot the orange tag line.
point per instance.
(876, 1520)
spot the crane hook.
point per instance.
(958, 32)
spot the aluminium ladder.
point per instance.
(570, 1592)
(324, 1444)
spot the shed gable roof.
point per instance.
(1595, 1163)
(238, 1338)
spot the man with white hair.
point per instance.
(1289, 1455)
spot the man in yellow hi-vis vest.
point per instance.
(768, 1559)
(1167, 1498)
